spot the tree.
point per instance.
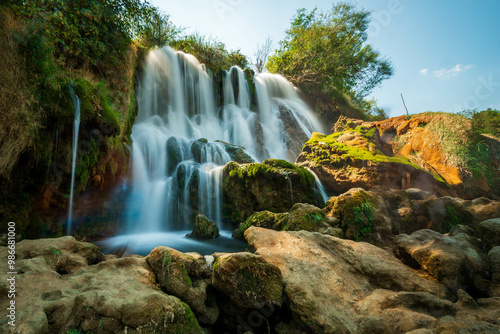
(328, 52)
(262, 54)
(485, 121)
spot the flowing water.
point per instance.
(177, 161)
(76, 127)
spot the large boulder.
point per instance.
(362, 216)
(186, 277)
(248, 280)
(274, 185)
(65, 286)
(454, 260)
(326, 278)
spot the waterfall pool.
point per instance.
(143, 244)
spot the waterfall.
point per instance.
(176, 162)
(319, 186)
(76, 127)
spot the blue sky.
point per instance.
(446, 53)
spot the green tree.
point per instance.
(485, 121)
(93, 32)
(328, 52)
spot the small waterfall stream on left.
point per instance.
(76, 128)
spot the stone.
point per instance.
(489, 233)
(204, 228)
(302, 216)
(325, 277)
(453, 260)
(494, 258)
(400, 153)
(186, 277)
(248, 280)
(69, 287)
(274, 185)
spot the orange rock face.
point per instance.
(365, 154)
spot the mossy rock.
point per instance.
(204, 228)
(174, 154)
(355, 211)
(248, 280)
(265, 219)
(306, 217)
(274, 185)
(196, 147)
(302, 217)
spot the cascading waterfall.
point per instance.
(76, 127)
(319, 185)
(176, 162)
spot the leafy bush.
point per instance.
(485, 121)
(210, 52)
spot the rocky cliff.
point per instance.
(436, 152)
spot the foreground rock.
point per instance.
(341, 286)
(274, 185)
(63, 285)
(296, 282)
(406, 152)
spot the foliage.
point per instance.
(459, 140)
(485, 121)
(92, 32)
(210, 52)
(328, 52)
(19, 123)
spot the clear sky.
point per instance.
(446, 54)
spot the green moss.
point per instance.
(307, 177)
(356, 214)
(111, 123)
(451, 219)
(321, 146)
(265, 219)
(85, 92)
(260, 280)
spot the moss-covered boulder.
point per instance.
(265, 219)
(274, 185)
(436, 152)
(248, 280)
(355, 211)
(302, 216)
(186, 277)
(204, 228)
